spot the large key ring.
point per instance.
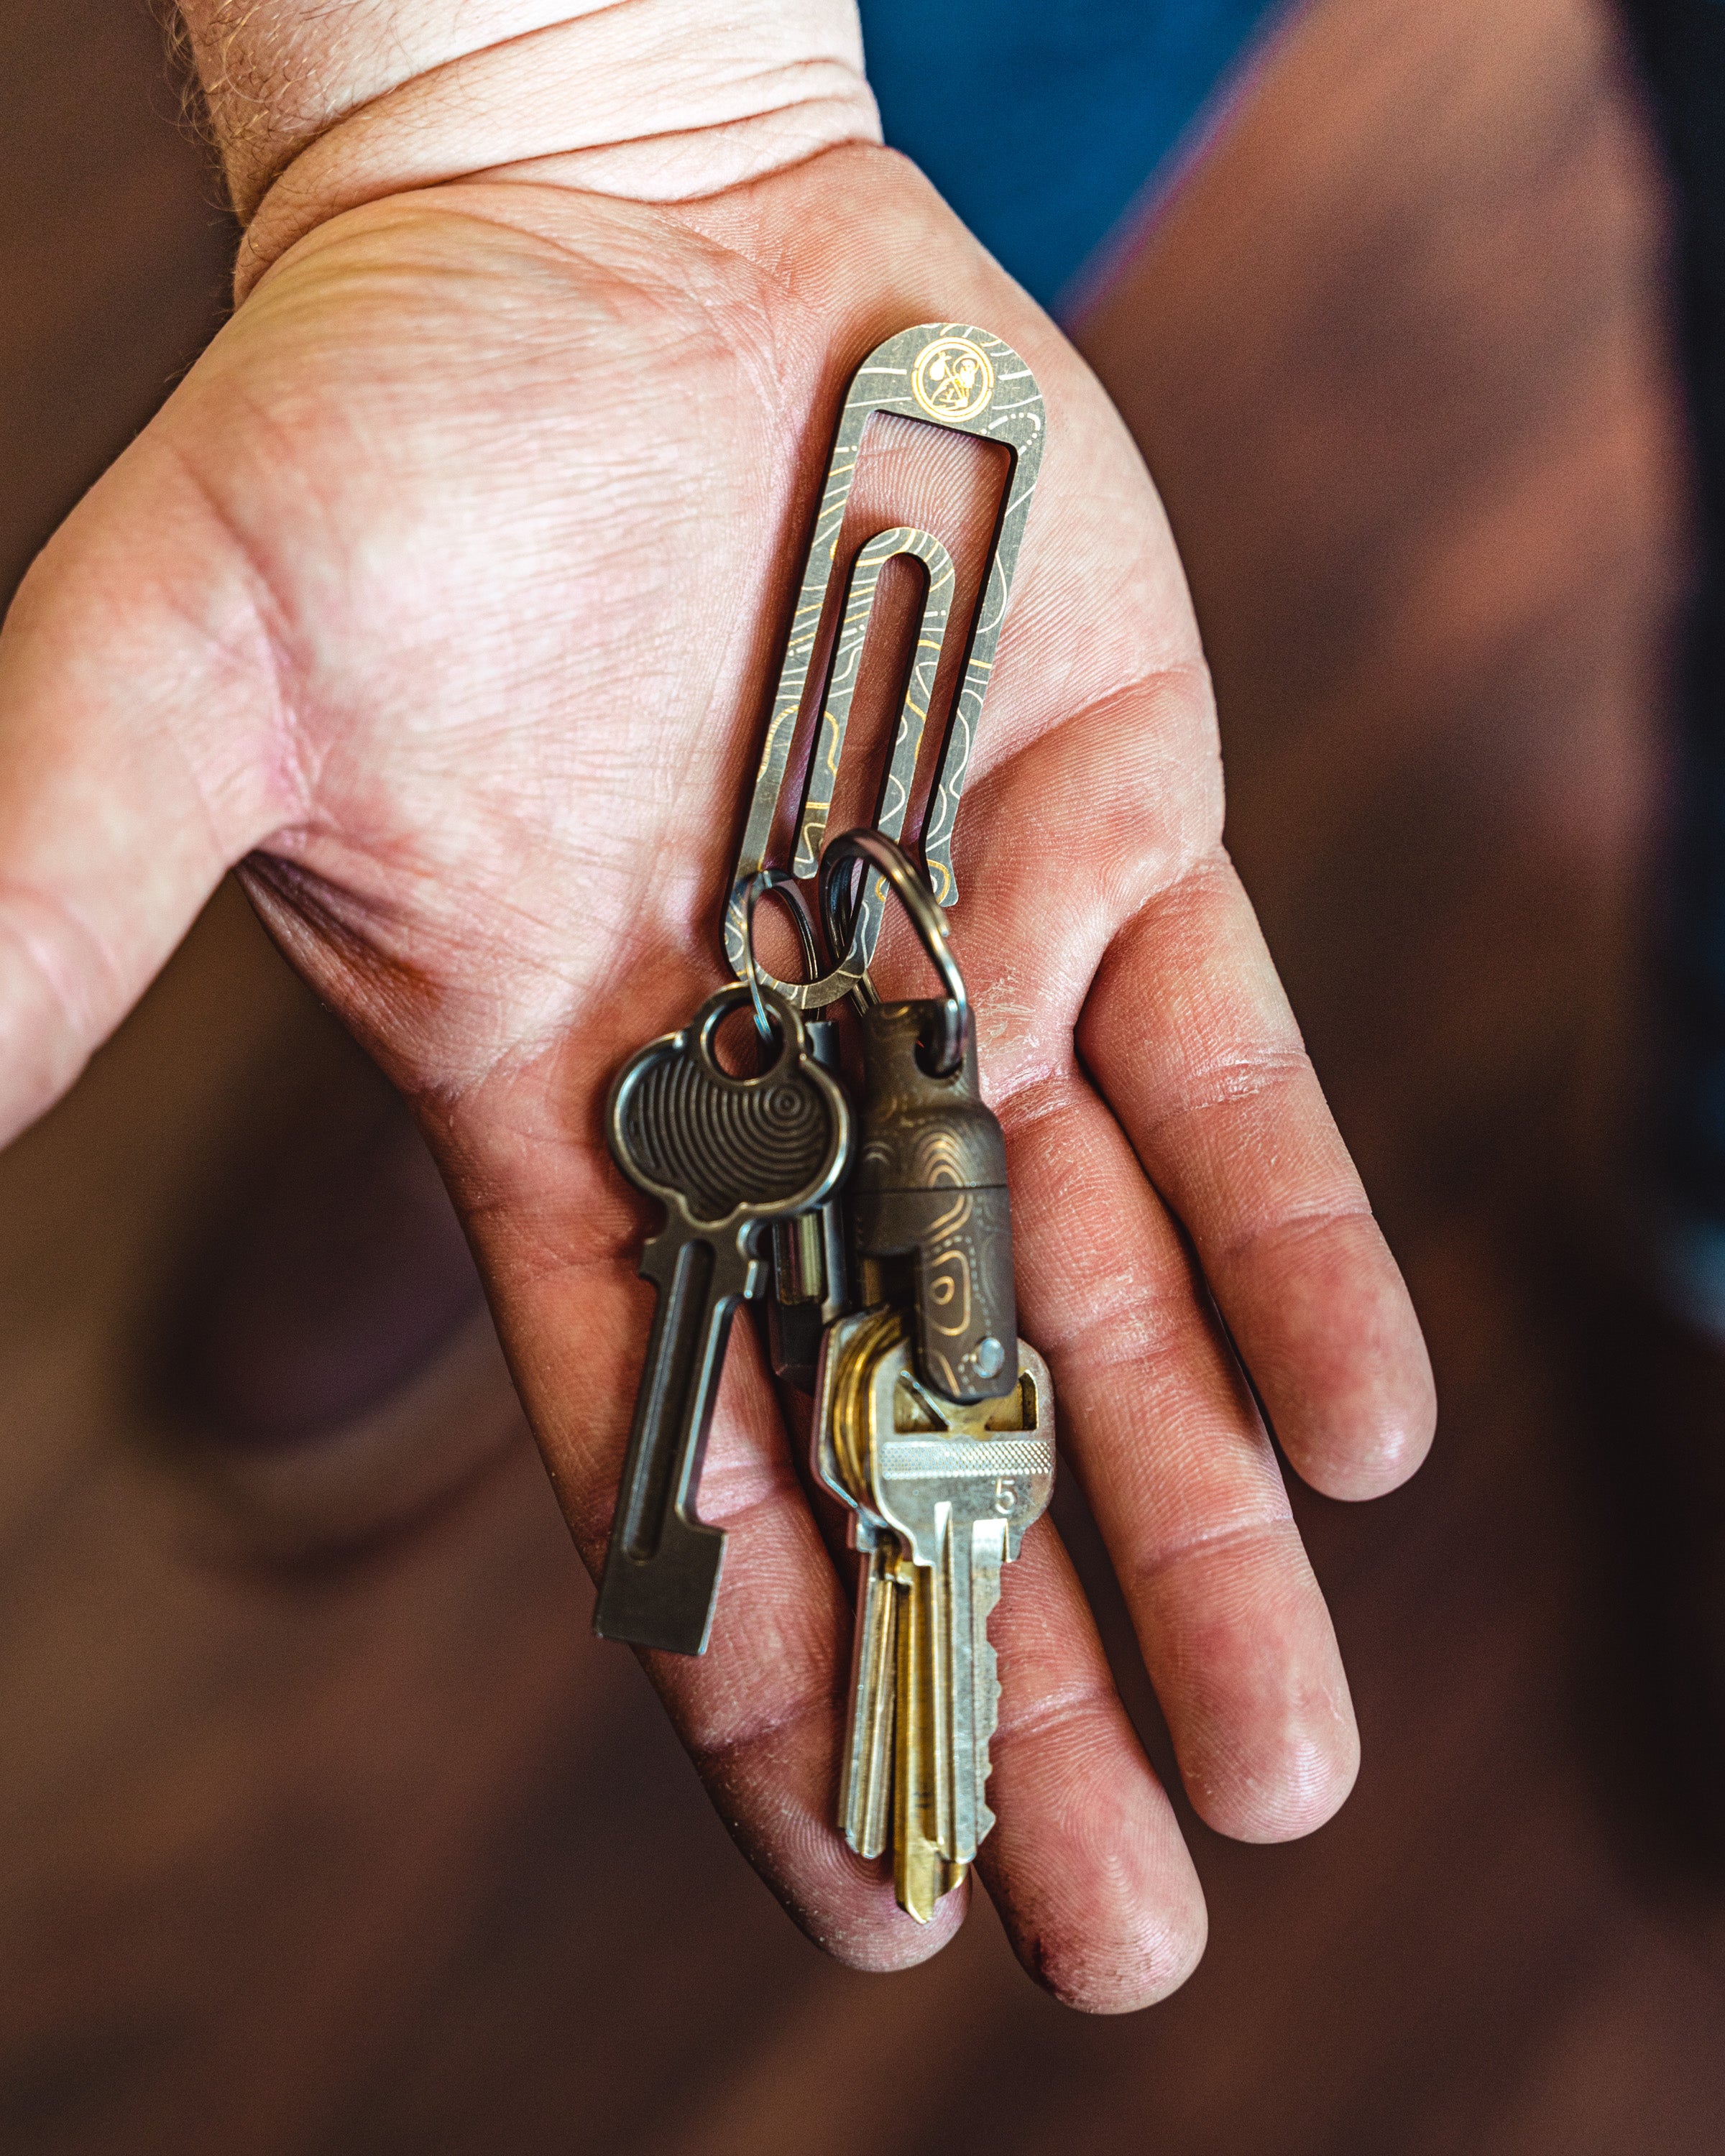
(763, 883)
(942, 374)
(839, 908)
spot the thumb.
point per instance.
(140, 697)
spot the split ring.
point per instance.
(839, 906)
(760, 884)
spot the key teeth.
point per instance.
(987, 1685)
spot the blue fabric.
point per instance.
(1040, 120)
(1043, 121)
(1682, 46)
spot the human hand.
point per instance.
(443, 596)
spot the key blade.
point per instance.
(661, 1577)
(982, 1680)
(954, 1696)
(866, 1784)
(921, 1874)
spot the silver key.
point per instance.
(959, 1484)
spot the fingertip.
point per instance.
(1299, 1785)
(843, 1902)
(47, 1030)
(1093, 1882)
(1371, 1460)
(1122, 1968)
(140, 700)
(1251, 1680)
(1086, 1863)
(1094, 1980)
(777, 1794)
(863, 1928)
(1341, 1363)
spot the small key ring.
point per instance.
(900, 870)
(762, 882)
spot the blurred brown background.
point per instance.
(329, 1830)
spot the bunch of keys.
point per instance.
(880, 1227)
(934, 1422)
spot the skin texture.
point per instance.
(444, 597)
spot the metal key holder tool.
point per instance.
(946, 374)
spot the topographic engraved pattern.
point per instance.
(1013, 413)
(941, 1159)
(722, 1141)
(903, 539)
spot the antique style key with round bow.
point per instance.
(726, 1157)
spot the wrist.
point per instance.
(318, 110)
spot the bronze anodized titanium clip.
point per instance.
(946, 374)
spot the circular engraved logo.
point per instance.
(952, 379)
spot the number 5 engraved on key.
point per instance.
(1006, 1496)
(946, 374)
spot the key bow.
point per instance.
(724, 1151)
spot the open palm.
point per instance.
(445, 595)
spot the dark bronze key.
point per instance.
(727, 1157)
